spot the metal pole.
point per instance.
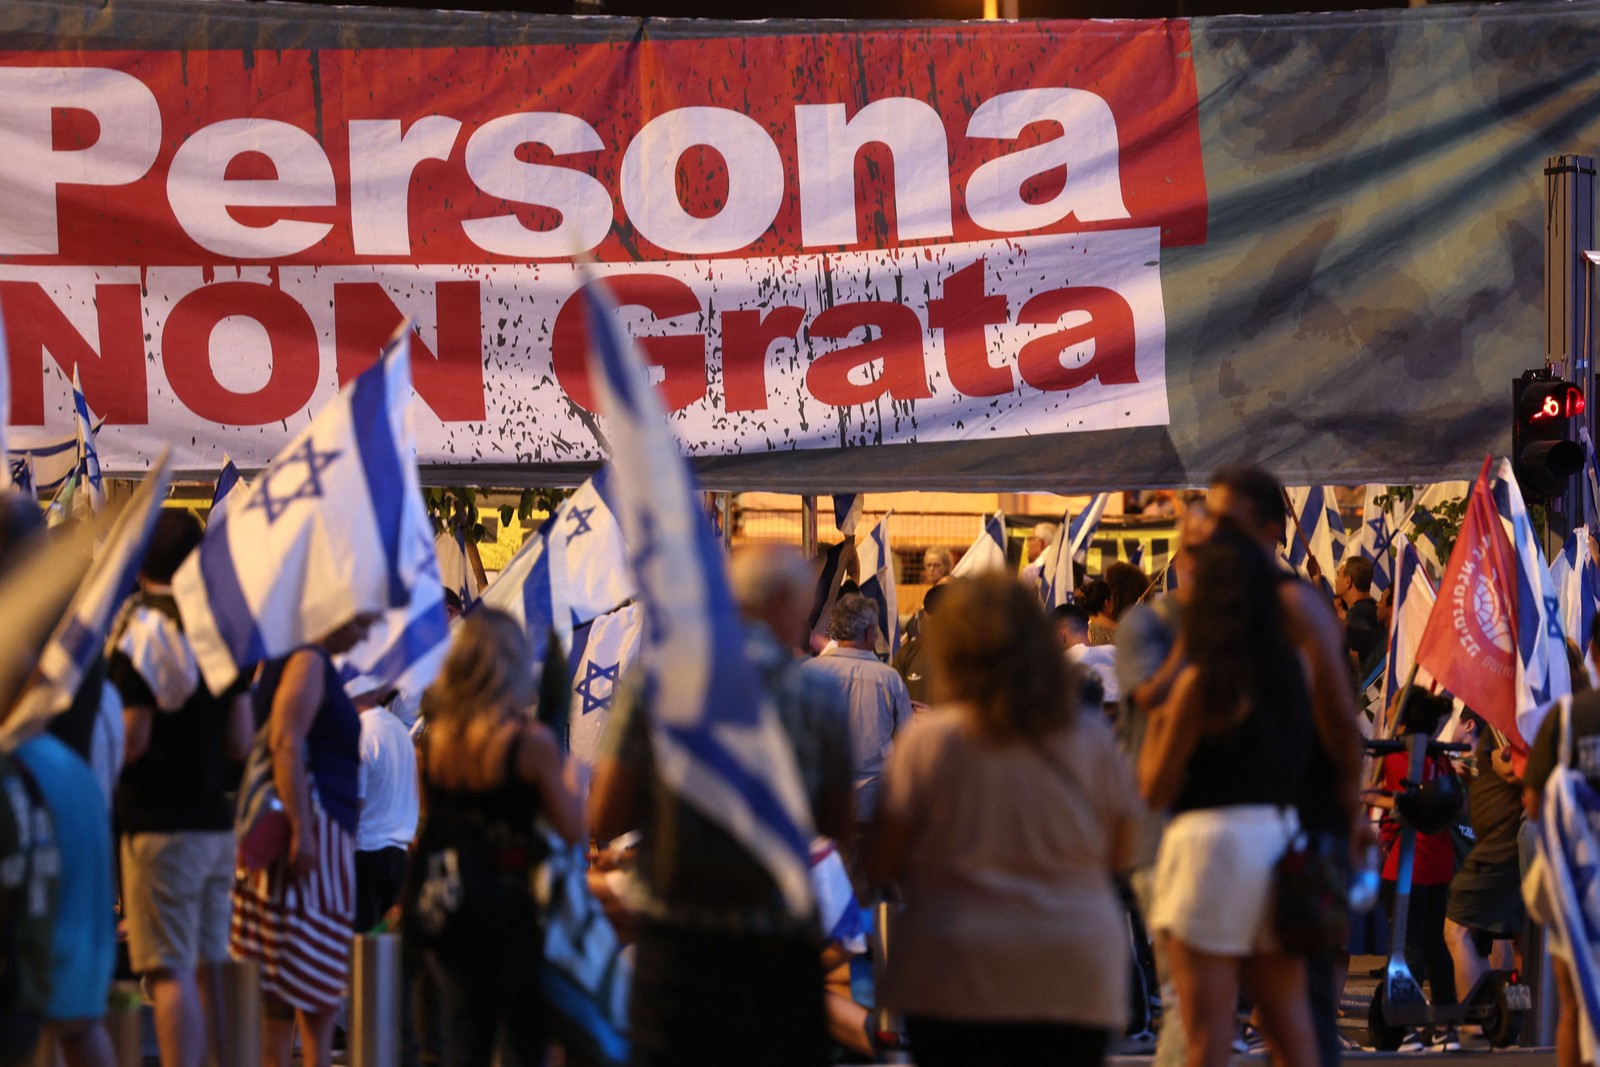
(240, 1044)
(375, 1002)
(808, 526)
(1568, 341)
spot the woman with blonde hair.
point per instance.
(490, 775)
(1005, 811)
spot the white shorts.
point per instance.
(1214, 878)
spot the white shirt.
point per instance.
(388, 783)
(1102, 659)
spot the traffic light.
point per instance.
(1544, 428)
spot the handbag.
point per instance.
(260, 825)
(585, 974)
(1310, 895)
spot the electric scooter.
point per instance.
(1495, 1003)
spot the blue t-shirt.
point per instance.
(333, 744)
(83, 950)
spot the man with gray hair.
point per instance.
(879, 701)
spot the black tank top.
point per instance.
(1261, 758)
(497, 825)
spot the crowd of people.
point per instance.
(1000, 782)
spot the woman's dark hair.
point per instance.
(993, 648)
(176, 533)
(1128, 586)
(1096, 595)
(1233, 628)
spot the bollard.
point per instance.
(238, 983)
(375, 1001)
(125, 1023)
(888, 1027)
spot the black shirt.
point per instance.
(1362, 634)
(180, 782)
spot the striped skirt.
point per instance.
(300, 929)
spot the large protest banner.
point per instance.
(1065, 255)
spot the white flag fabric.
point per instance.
(1375, 538)
(1543, 675)
(1567, 901)
(1315, 530)
(602, 651)
(988, 553)
(1057, 587)
(717, 740)
(334, 528)
(573, 570)
(231, 486)
(1414, 598)
(455, 566)
(88, 457)
(78, 637)
(847, 512)
(1575, 573)
(1083, 528)
(405, 649)
(879, 584)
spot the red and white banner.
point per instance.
(826, 239)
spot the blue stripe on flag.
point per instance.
(380, 462)
(602, 338)
(236, 622)
(422, 635)
(763, 804)
(538, 608)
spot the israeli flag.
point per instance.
(1576, 575)
(229, 481)
(455, 566)
(1571, 850)
(60, 509)
(1083, 529)
(1372, 541)
(48, 461)
(77, 639)
(88, 457)
(1315, 530)
(1056, 587)
(1591, 480)
(717, 739)
(988, 553)
(836, 900)
(1414, 598)
(405, 649)
(1542, 672)
(830, 576)
(333, 528)
(603, 651)
(879, 584)
(1133, 551)
(573, 570)
(847, 512)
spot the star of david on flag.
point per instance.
(88, 457)
(334, 528)
(1542, 672)
(603, 652)
(718, 743)
(573, 570)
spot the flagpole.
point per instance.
(1405, 694)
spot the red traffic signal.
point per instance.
(1544, 451)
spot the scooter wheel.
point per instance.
(1384, 1037)
(1504, 1026)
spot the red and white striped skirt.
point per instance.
(300, 929)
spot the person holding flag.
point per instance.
(332, 534)
(719, 751)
